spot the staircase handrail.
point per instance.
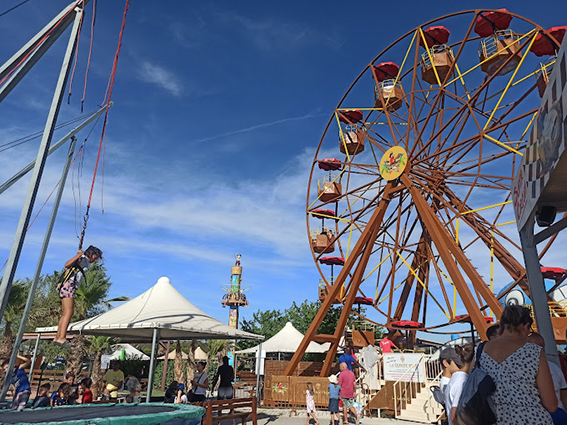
(411, 368)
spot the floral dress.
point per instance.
(310, 403)
(516, 399)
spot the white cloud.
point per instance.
(158, 75)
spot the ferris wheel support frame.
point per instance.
(362, 249)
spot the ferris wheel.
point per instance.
(409, 206)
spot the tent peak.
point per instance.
(164, 280)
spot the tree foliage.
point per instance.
(270, 322)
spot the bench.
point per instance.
(214, 410)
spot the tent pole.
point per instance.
(258, 365)
(152, 364)
(34, 356)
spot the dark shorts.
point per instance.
(225, 393)
(334, 405)
(192, 397)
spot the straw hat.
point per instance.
(333, 379)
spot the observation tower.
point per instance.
(234, 297)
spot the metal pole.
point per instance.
(34, 357)
(258, 366)
(39, 266)
(52, 149)
(151, 371)
(538, 294)
(27, 209)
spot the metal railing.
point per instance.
(403, 390)
(426, 58)
(489, 46)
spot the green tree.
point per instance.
(12, 314)
(270, 322)
(97, 345)
(266, 323)
(217, 347)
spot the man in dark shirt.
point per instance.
(226, 374)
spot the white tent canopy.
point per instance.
(199, 355)
(128, 351)
(286, 340)
(161, 307)
(159, 313)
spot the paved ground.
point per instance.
(281, 417)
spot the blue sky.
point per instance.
(219, 108)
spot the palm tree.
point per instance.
(179, 373)
(16, 304)
(191, 365)
(97, 345)
(89, 301)
(218, 347)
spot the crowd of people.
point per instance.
(528, 388)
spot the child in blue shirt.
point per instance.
(334, 389)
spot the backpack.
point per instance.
(475, 404)
(437, 395)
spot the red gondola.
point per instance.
(435, 36)
(322, 212)
(406, 324)
(351, 116)
(363, 301)
(330, 164)
(489, 22)
(543, 46)
(332, 261)
(386, 71)
(553, 272)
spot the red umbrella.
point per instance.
(330, 164)
(544, 46)
(435, 36)
(489, 22)
(386, 71)
(351, 116)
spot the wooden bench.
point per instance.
(214, 410)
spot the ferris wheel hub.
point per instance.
(393, 163)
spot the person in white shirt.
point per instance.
(447, 355)
(459, 376)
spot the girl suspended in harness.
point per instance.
(75, 270)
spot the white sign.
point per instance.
(105, 361)
(406, 367)
(546, 143)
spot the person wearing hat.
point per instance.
(181, 397)
(334, 389)
(447, 355)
